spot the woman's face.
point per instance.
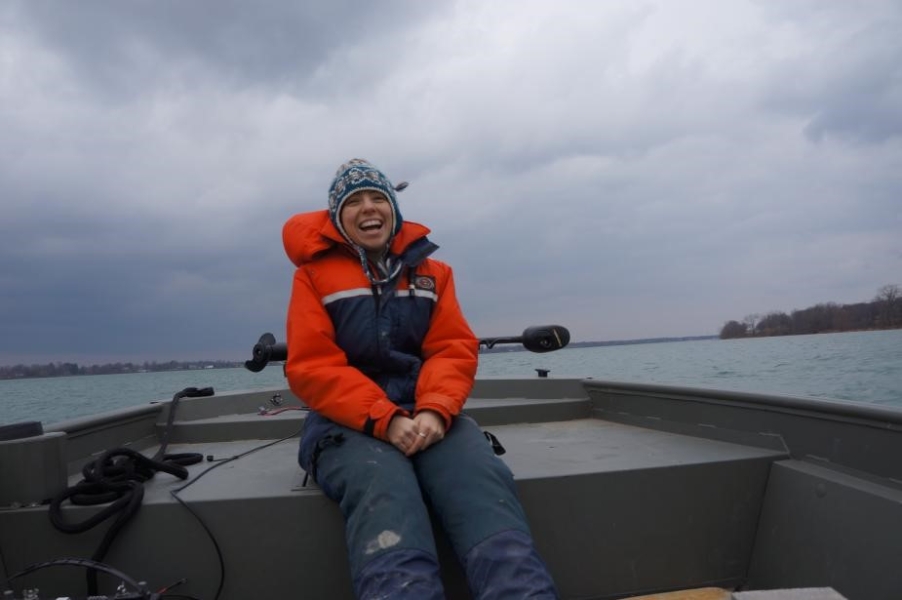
(366, 217)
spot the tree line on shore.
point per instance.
(65, 369)
(883, 312)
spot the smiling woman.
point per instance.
(364, 209)
(367, 218)
(382, 354)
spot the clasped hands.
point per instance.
(412, 435)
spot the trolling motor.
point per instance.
(539, 338)
(266, 349)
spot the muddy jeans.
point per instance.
(383, 496)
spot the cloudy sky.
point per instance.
(627, 168)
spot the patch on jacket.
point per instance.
(424, 282)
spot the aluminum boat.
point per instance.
(631, 490)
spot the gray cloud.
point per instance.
(627, 170)
(130, 48)
(852, 90)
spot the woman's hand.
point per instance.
(430, 427)
(403, 435)
(413, 435)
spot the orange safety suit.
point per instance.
(360, 353)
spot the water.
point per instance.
(56, 399)
(859, 367)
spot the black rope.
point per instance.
(126, 494)
(117, 478)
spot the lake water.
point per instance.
(859, 367)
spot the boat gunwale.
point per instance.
(888, 417)
(114, 417)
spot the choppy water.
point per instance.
(859, 367)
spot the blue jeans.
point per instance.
(385, 498)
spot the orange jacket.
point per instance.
(359, 354)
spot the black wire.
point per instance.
(93, 567)
(174, 494)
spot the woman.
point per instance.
(381, 353)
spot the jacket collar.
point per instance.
(307, 235)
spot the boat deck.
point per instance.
(538, 450)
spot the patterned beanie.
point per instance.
(355, 175)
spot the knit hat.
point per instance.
(355, 175)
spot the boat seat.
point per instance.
(791, 594)
(707, 593)
(712, 593)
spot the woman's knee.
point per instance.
(359, 466)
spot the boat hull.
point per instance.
(629, 489)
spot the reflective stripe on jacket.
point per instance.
(357, 353)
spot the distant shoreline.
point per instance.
(69, 369)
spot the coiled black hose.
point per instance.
(117, 478)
